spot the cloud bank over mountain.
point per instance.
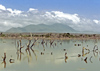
(17, 18)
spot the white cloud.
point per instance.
(72, 17)
(2, 7)
(17, 18)
(9, 24)
(17, 12)
(32, 9)
(96, 21)
(10, 10)
(14, 12)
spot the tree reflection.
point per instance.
(83, 51)
(28, 52)
(85, 60)
(84, 54)
(19, 48)
(4, 60)
(66, 57)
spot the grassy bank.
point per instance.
(49, 36)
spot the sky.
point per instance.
(86, 8)
(74, 13)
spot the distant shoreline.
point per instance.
(53, 36)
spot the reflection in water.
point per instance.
(79, 55)
(4, 60)
(91, 59)
(83, 51)
(42, 53)
(95, 48)
(43, 44)
(51, 43)
(11, 60)
(66, 57)
(85, 60)
(59, 50)
(28, 52)
(95, 54)
(19, 48)
(95, 51)
(28, 48)
(51, 53)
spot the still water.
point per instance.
(61, 55)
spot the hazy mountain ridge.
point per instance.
(57, 28)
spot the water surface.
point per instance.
(50, 58)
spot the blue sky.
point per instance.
(85, 8)
(74, 13)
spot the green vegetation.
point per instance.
(49, 35)
(2, 35)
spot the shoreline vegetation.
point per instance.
(59, 36)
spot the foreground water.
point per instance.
(50, 58)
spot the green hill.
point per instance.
(56, 28)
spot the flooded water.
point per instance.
(65, 55)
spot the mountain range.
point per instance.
(42, 28)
